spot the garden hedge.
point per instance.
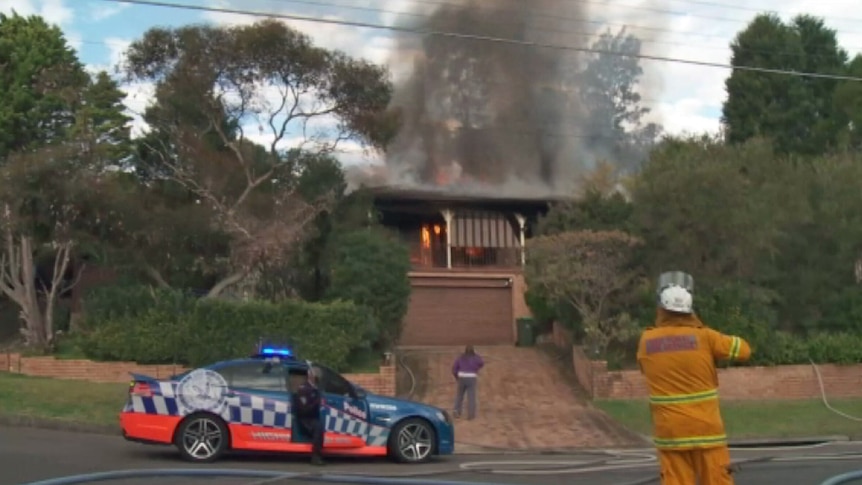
(164, 326)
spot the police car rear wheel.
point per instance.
(202, 438)
(412, 441)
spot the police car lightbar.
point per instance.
(266, 350)
(281, 352)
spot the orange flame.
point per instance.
(426, 237)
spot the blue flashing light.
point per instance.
(283, 352)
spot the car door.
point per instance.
(345, 416)
(258, 405)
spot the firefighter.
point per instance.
(678, 359)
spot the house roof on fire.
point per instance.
(484, 195)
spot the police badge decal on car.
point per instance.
(202, 390)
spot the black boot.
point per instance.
(316, 460)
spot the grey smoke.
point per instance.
(505, 117)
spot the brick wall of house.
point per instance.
(382, 382)
(749, 382)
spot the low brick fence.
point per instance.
(739, 383)
(382, 382)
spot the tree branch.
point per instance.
(156, 276)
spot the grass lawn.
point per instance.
(759, 419)
(78, 401)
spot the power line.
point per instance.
(350, 23)
(655, 10)
(318, 3)
(754, 9)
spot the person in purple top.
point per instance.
(466, 372)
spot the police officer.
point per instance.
(307, 402)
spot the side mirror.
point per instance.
(358, 392)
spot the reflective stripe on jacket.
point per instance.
(677, 358)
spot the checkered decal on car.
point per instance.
(257, 411)
(343, 423)
(163, 401)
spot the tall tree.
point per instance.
(51, 202)
(102, 120)
(797, 113)
(39, 76)
(213, 84)
(717, 208)
(59, 131)
(608, 89)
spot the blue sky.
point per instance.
(682, 97)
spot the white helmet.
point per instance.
(675, 298)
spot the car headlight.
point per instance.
(444, 416)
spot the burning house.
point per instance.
(467, 254)
(491, 132)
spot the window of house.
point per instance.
(259, 376)
(332, 382)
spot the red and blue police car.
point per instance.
(245, 404)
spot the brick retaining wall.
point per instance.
(382, 382)
(780, 382)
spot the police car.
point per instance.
(244, 404)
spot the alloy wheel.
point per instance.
(414, 442)
(202, 438)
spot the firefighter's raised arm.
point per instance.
(729, 347)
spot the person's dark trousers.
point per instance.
(314, 428)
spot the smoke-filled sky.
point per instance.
(489, 111)
(683, 98)
(480, 112)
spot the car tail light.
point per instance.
(140, 389)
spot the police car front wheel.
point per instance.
(412, 441)
(202, 438)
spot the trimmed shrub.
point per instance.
(184, 330)
(370, 267)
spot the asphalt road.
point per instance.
(28, 455)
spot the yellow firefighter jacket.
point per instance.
(678, 357)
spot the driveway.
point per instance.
(525, 401)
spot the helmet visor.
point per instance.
(675, 278)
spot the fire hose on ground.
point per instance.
(604, 461)
(840, 479)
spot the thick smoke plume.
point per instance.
(502, 116)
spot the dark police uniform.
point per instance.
(307, 402)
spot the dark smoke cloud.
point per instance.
(490, 114)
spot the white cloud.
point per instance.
(691, 95)
(139, 96)
(104, 10)
(53, 11)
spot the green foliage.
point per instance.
(587, 270)
(165, 326)
(595, 211)
(799, 114)
(842, 312)
(750, 314)
(717, 209)
(370, 267)
(39, 75)
(104, 304)
(307, 274)
(542, 308)
(735, 309)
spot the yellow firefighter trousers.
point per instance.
(703, 466)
